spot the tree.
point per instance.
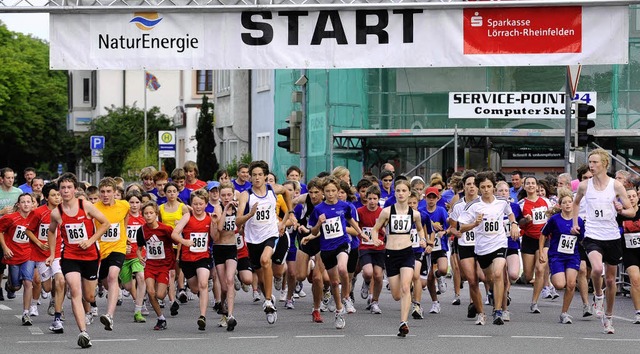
(33, 106)
(135, 161)
(206, 158)
(123, 129)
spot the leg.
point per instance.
(468, 267)
(538, 282)
(634, 279)
(610, 278)
(202, 288)
(229, 275)
(74, 282)
(113, 289)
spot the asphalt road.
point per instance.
(450, 331)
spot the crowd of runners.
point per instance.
(172, 238)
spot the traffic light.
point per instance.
(286, 144)
(291, 134)
(583, 124)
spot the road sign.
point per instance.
(96, 156)
(96, 142)
(167, 144)
(59, 169)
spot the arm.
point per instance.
(575, 229)
(541, 258)
(177, 232)
(380, 222)
(100, 218)
(7, 252)
(421, 233)
(242, 218)
(623, 207)
(473, 225)
(51, 235)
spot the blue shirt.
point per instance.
(445, 198)
(355, 241)
(25, 188)
(439, 215)
(185, 195)
(557, 226)
(426, 225)
(335, 226)
(517, 213)
(241, 187)
(514, 193)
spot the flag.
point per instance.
(151, 81)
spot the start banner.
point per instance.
(515, 105)
(364, 38)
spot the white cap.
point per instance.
(416, 178)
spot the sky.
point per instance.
(36, 24)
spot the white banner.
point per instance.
(515, 105)
(341, 39)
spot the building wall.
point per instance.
(262, 115)
(232, 115)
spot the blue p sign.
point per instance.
(97, 142)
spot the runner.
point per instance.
(29, 175)
(17, 252)
(294, 173)
(146, 177)
(422, 254)
(371, 256)
(485, 216)
(242, 181)
(294, 189)
(399, 258)
(160, 180)
(257, 214)
(132, 272)
(80, 256)
(564, 258)
(601, 231)
(195, 259)
(329, 220)
(631, 251)
(192, 182)
(345, 195)
(155, 238)
(179, 177)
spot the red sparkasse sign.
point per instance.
(523, 30)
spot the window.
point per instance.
(204, 81)
(263, 80)
(223, 82)
(229, 151)
(263, 147)
(86, 90)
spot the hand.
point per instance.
(428, 249)
(618, 206)
(515, 232)
(542, 258)
(43, 246)
(479, 219)
(281, 227)
(6, 210)
(187, 243)
(128, 248)
(423, 243)
(304, 240)
(84, 244)
(377, 242)
(8, 254)
(575, 229)
(437, 227)
(454, 232)
(49, 261)
(303, 229)
(528, 219)
(254, 209)
(322, 218)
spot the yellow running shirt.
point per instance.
(115, 239)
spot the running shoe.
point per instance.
(489, 299)
(125, 293)
(145, 310)
(289, 305)
(1, 295)
(223, 321)
(217, 307)
(84, 341)
(586, 310)
(298, 287)
(375, 308)
(161, 303)
(326, 296)
(481, 319)
(323, 307)
(94, 311)
(182, 296)
(231, 323)
(33, 311)
(554, 293)
(277, 283)
(598, 306)
(534, 308)
(246, 288)
(283, 295)
(56, 327)
(160, 325)
(442, 285)
(546, 293)
(369, 299)
(339, 319)
(497, 318)
(348, 305)
(296, 295)
(565, 318)
(137, 317)
(100, 291)
(44, 294)
(435, 308)
(26, 320)
(271, 311)
(416, 312)
(403, 330)
(51, 310)
(88, 318)
(202, 323)
(317, 317)
(107, 321)
(364, 290)
(174, 308)
(331, 305)
(256, 296)
(607, 324)
(236, 283)
(471, 311)
(456, 300)
(637, 320)
(506, 316)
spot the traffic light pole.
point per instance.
(303, 128)
(567, 123)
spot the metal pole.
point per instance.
(455, 148)
(428, 158)
(567, 122)
(97, 174)
(144, 81)
(619, 161)
(303, 127)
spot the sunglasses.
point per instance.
(387, 180)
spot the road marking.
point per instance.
(18, 316)
(255, 337)
(323, 336)
(115, 340)
(536, 337)
(35, 330)
(5, 308)
(40, 341)
(387, 335)
(624, 318)
(615, 339)
(192, 338)
(461, 336)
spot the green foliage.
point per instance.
(135, 161)
(123, 129)
(33, 106)
(206, 158)
(232, 167)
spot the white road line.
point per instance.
(624, 318)
(5, 308)
(461, 336)
(40, 341)
(196, 338)
(323, 336)
(255, 337)
(615, 339)
(18, 316)
(387, 335)
(536, 337)
(35, 330)
(115, 340)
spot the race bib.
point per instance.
(632, 240)
(469, 238)
(76, 233)
(539, 215)
(400, 224)
(239, 241)
(507, 227)
(415, 239)
(437, 244)
(20, 235)
(230, 223)
(264, 214)
(332, 228)
(199, 242)
(132, 233)
(112, 234)
(155, 250)
(567, 244)
(367, 236)
(491, 226)
(601, 211)
(43, 232)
